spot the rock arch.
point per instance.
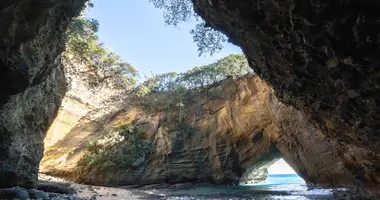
(247, 132)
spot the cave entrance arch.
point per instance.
(276, 171)
(281, 172)
(269, 168)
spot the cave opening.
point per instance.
(281, 172)
(331, 153)
(270, 168)
(273, 172)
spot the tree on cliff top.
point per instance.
(208, 40)
(83, 46)
(234, 65)
(174, 92)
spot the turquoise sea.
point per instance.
(276, 186)
(274, 179)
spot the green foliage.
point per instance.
(110, 151)
(126, 130)
(107, 164)
(133, 153)
(175, 11)
(93, 147)
(126, 127)
(215, 93)
(234, 65)
(207, 39)
(174, 91)
(83, 46)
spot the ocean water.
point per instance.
(276, 186)
(274, 179)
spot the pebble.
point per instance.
(52, 188)
(14, 193)
(37, 194)
(33, 194)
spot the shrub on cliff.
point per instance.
(234, 65)
(174, 91)
(121, 148)
(83, 46)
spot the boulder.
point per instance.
(14, 193)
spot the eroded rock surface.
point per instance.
(87, 98)
(321, 57)
(32, 82)
(217, 141)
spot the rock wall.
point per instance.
(32, 82)
(87, 97)
(321, 57)
(220, 141)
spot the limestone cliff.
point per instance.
(217, 140)
(88, 96)
(322, 57)
(32, 82)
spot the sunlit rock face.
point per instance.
(32, 82)
(222, 141)
(323, 59)
(87, 96)
(255, 175)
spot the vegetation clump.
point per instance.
(234, 65)
(174, 91)
(121, 148)
(83, 46)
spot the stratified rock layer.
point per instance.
(323, 58)
(32, 82)
(220, 141)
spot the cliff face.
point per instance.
(218, 140)
(32, 82)
(88, 96)
(320, 57)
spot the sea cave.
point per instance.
(304, 89)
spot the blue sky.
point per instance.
(136, 31)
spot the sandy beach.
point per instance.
(58, 188)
